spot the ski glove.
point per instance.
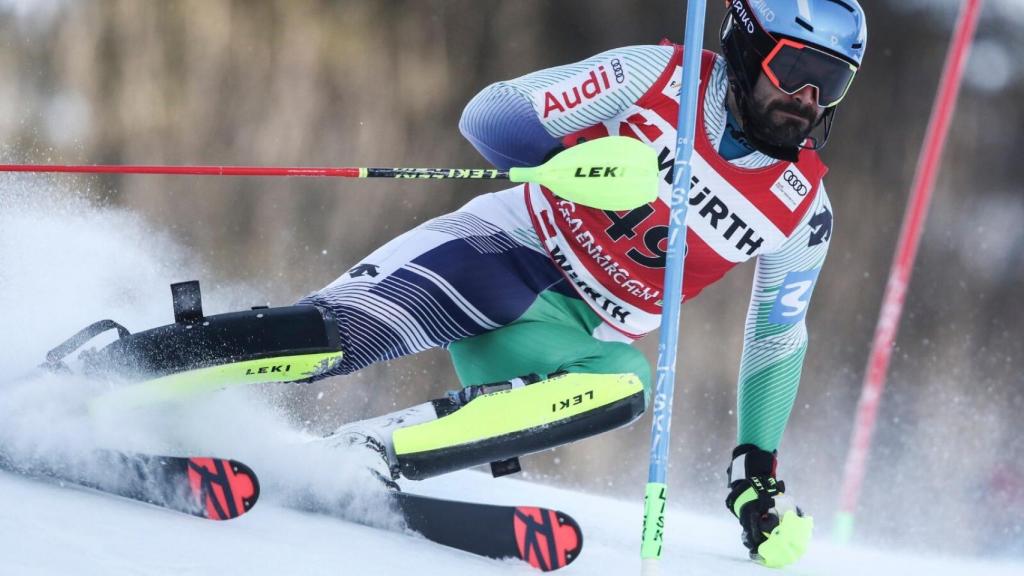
(775, 530)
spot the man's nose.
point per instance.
(807, 95)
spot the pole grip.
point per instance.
(655, 503)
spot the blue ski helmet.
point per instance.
(795, 43)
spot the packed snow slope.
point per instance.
(66, 262)
(48, 529)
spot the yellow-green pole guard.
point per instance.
(610, 173)
(788, 542)
(655, 504)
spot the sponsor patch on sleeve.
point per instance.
(794, 297)
(562, 98)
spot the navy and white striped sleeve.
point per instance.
(520, 122)
(503, 127)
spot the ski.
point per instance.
(543, 538)
(211, 488)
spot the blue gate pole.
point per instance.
(655, 498)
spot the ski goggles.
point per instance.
(792, 66)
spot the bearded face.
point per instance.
(781, 119)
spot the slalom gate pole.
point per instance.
(613, 173)
(446, 173)
(655, 498)
(902, 265)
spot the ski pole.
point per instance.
(614, 173)
(902, 265)
(655, 498)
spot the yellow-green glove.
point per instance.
(775, 530)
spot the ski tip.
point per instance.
(226, 489)
(245, 480)
(547, 539)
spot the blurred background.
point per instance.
(383, 82)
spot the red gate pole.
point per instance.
(903, 263)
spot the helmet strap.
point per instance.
(827, 120)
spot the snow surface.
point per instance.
(64, 262)
(48, 529)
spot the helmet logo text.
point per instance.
(766, 12)
(742, 16)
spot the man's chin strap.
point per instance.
(827, 119)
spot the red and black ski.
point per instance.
(543, 538)
(223, 489)
(212, 488)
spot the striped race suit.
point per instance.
(521, 281)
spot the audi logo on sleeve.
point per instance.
(792, 187)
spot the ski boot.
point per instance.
(374, 435)
(496, 423)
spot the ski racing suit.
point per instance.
(522, 282)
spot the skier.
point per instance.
(538, 298)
